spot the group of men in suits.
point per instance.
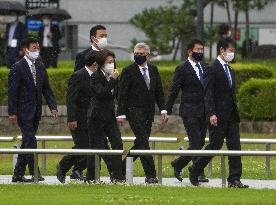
(208, 102)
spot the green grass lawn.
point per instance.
(253, 167)
(131, 195)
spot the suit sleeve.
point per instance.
(48, 93)
(13, 90)
(72, 96)
(209, 92)
(79, 63)
(124, 85)
(174, 89)
(159, 92)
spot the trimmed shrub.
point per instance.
(257, 99)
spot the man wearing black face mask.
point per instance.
(189, 78)
(140, 88)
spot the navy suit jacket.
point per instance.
(24, 98)
(19, 34)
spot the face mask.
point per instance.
(229, 56)
(197, 56)
(33, 55)
(13, 18)
(140, 59)
(102, 42)
(229, 34)
(46, 22)
(108, 68)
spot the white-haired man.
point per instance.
(140, 88)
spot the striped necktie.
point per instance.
(33, 72)
(146, 78)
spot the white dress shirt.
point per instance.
(94, 48)
(47, 42)
(195, 67)
(89, 71)
(222, 62)
(29, 62)
(11, 33)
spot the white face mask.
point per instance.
(102, 43)
(229, 34)
(229, 56)
(108, 68)
(46, 22)
(13, 19)
(32, 55)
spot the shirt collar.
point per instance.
(193, 63)
(222, 62)
(88, 70)
(94, 48)
(141, 67)
(29, 61)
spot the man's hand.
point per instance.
(121, 120)
(72, 125)
(13, 119)
(214, 120)
(55, 114)
(115, 74)
(164, 118)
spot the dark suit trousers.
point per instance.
(12, 56)
(196, 130)
(141, 127)
(49, 56)
(28, 129)
(97, 132)
(227, 128)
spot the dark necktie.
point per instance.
(146, 78)
(33, 72)
(226, 69)
(200, 73)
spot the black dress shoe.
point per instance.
(193, 177)
(237, 184)
(151, 180)
(40, 178)
(202, 178)
(176, 172)
(77, 175)
(60, 176)
(20, 179)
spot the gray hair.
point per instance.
(143, 46)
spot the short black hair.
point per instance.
(224, 43)
(28, 41)
(94, 29)
(193, 42)
(103, 55)
(90, 58)
(223, 29)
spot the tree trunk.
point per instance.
(176, 50)
(200, 19)
(228, 13)
(236, 25)
(247, 32)
(211, 25)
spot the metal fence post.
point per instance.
(129, 170)
(223, 171)
(15, 156)
(153, 148)
(97, 168)
(210, 168)
(35, 167)
(43, 157)
(267, 161)
(160, 169)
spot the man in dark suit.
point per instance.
(101, 115)
(28, 81)
(49, 36)
(189, 78)
(15, 33)
(222, 113)
(140, 88)
(98, 38)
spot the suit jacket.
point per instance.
(54, 29)
(220, 98)
(102, 102)
(192, 91)
(24, 98)
(134, 95)
(78, 95)
(80, 58)
(19, 34)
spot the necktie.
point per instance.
(200, 73)
(226, 69)
(146, 78)
(33, 72)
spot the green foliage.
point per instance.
(257, 99)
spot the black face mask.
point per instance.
(140, 59)
(197, 56)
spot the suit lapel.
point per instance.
(140, 76)
(192, 71)
(28, 71)
(221, 68)
(151, 75)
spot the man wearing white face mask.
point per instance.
(49, 36)
(15, 32)
(27, 82)
(98, 38)
(222, 114)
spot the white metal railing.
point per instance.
(267, 142)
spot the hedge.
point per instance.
(59, 77)
(257, 99)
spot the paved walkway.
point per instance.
(256, 184)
